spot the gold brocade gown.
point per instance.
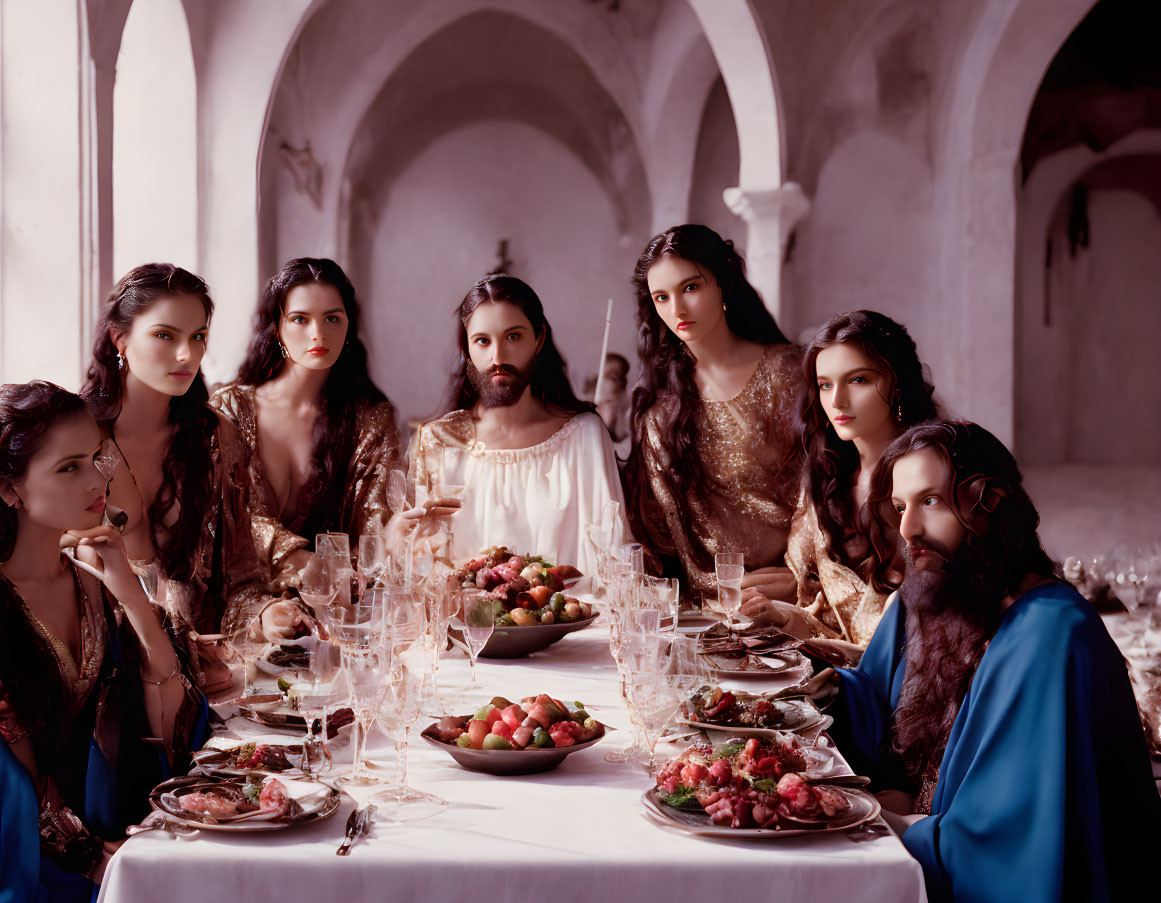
(378, 451)
(850, 608)
(751, 468)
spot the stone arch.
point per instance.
(417, 105)
(739, 44)
(997, 77)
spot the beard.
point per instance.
(953, 607)
(498, 395)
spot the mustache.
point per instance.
(916, 546)
(505, 369)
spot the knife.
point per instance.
(357, 823)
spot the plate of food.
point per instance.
(244, 805)
(232, 758)
(507, 738)
(741, 712)
(751, 790)
(763, 664)
(272, 710)
(530, 607)
(276, 659)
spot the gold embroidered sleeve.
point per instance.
(377, 454)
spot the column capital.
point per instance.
(786, 204)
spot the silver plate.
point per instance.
(864, 808)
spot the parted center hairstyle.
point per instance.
(347, 384)
(986, 494)
(667, 367)
(28, 670)
(549, 378)
(831, 463)
(188, 467)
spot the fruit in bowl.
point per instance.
(525, 590)
(536, 722)
(505, 738)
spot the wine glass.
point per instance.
(453, 473)
(366, 670)
(662, 594)
(729, 569)
(398, 714)
(440, 602)
(478, 615)
(359, 625)
(335, 551)
(374, 560)
(245, 641)
(655, 701)
(310, 693)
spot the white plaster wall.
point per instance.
(41, 260)
(155, 190)
(438, 235)
(1114, 325)
(868, 243)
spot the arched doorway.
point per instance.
(155, 185)
(1089, 299)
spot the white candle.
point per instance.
(604, 350)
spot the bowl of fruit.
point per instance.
(530, 606)
(509, 738)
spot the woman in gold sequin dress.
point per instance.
(865, 386)
(714, 466)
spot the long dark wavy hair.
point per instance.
(831, 462)
(667, 367)
(28, 670)
(986, 482)
(348, 385)
(951, 615)
(187, 469)
(549, 382)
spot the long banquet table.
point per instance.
(574, 834)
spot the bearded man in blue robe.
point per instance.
(991, 702)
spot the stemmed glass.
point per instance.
(441, 603)
(399, 712)
(311, 692)
(729, 568)
(479, 619)
(367, 671)
(662, 594)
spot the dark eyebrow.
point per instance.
(326, 313)
(175, 329)
(849, 372)
(686, 281)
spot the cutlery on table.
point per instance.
(357, 824)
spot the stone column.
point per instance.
(771, 215)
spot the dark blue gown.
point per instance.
(1045, 791)
(107, 791)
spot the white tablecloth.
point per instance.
(573, 834)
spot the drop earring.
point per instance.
(899, 413)
(120, 361)
(285, 353)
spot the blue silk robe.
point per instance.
(1045, 791)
